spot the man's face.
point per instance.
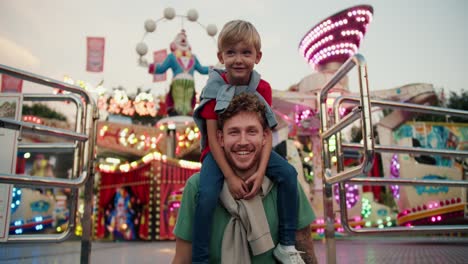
(239, 61)
(243, 138)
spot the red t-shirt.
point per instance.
(208, 111)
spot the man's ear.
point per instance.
(220, 138)
(265, 135)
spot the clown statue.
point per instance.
(181, 97)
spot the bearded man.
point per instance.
(243, 231)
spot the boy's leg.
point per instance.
(211, 180)
(285, 175)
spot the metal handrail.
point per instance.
(366, 121)
(391, 181)
(56, 146)
(34, 97)
(341, 177)
(413, 150)
(85, 131)
(398, 230)
(28, 180)
(394, 181)
(28, 76)
(328, 178)
(348, 119)
(40, 129)
(425, 109)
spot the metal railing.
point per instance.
(333, 124)
(81, 142)
(390, 181)
(327, 131)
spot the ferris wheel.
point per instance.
(169, 14)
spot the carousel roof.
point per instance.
(336, 38)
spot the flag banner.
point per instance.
(159, 57)
(95, 54)
(11, 84)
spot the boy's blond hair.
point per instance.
(236, 31)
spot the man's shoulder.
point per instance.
(193, 180)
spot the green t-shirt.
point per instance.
(183, 228)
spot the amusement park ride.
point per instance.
(143, 169)
(327, 46)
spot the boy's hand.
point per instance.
(256, 181)
(237, 187)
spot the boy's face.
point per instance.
(239, 61)
(242, 139)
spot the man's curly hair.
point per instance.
(244, 102)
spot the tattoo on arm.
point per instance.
(305, 244)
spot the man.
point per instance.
(242, 133)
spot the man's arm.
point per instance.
(183, 254)
(305, 244)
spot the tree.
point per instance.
(454, 101)
(459, 102)
(42, 110)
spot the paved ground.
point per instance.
(381, 250)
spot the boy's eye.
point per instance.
(247, 52)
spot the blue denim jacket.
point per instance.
(217, 88)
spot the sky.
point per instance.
(417, 41)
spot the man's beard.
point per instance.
(251, 166)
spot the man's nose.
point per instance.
(243, 139)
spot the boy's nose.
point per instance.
(237, 58)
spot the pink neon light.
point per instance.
(348, 26)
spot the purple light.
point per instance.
(352, 195)
(346, 27)
(395, 173)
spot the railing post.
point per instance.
(86, 223)
(326, 158)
